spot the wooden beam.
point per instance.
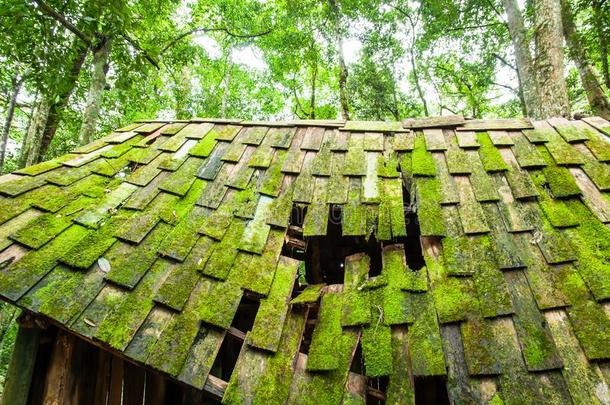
(21, 368)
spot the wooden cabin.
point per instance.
(430, 261)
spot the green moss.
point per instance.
(388, 165)
(406, 165)
(458, 160)
(118, 328)
(559, 212)
(262, 157)
(563, 153)
(422, 161)
(90, 247)
(391, 306)
(527, 155)
(588, 319)
(535, 338)
(480, 348)
(321, 165)
(429, 210)
(591, 243)
(403, 141)
(182, 278)
(224, 253)
(267, 329)
(171, 350)
(257, 276)
(309, 295)
(496, 400)
(356, 308)
(328, 331)
(21, 185)
(272, 179)
(425, 346)
(483, 184)
(105, 208)
(73, 297)
(559, 179)
(280, 208)
(175, 210)
(490, 156)
(541, 135)
(355, 159)
(41, 230)
(183, 236)
(598, 172)
(327, 387)
(218, 302)
(128, 264)
(43, 167)
(489, 282)
(377, 350)
(599, 147)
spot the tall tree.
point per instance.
(598, 100)
(548, 38)
(343, 73)
(17, 82)
(101, 55)
(523, 57)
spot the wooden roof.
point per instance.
(146, 240)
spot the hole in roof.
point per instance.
(227, 357)
(411, 242)
(358, 362)
(246, 313)
(376, 390)
(431, 390)
(310, 323)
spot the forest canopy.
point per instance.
(73, 70)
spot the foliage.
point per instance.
(255, 59)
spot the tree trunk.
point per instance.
(523, 57)
(182, 93)
(17, 82)
(312, 99)
(226, 85)
(31, 141)
(62, 97)
(96, 91)
(548, 36)
(343, 99)
(420, 92)
(599, 102)
(603, 44)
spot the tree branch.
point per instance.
(472, 27)
(48, 10)
(505, 62)
(202, 29)
(137, 46)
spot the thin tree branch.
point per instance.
(505, 62)
(137, 46)
(48, 10)
(472, 27)
(202, 29)
(512, 89)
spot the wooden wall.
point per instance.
(68, 370)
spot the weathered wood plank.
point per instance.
(435, 140)
(537, 344)
(254, 369)
(21, 367)
(471, 213)
(266, 332)
(493, 124)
